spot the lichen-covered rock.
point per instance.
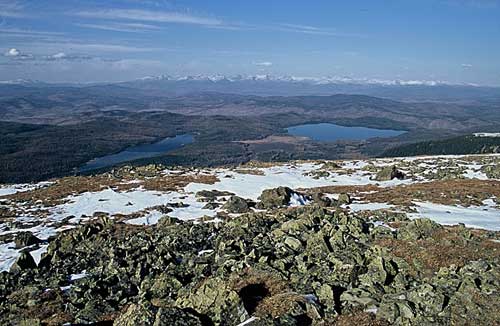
(388, 173)
(212, 195)
(236, 205)
(25, 239)
(323, 201)
(344, 199)
(306, 265)
(418, 229)
(215, 299)
(274, 198)
(146, 314)
(24, 262)
(491, 171)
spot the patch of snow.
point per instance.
(74, 277)
(113, 202)
(202, 252)
(354, 165)
(8, 255)
(248, 321)
(473, 174)
(332, 196)
(298, 200)
(380, 223)
(251, 186)
(372, 310)
(150, 218)
(37, 254)
(6, 190)
(481, 217)
(487, 134)
(356, 207)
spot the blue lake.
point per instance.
(137, 152)
(333, 132)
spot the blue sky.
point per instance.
(457, 41)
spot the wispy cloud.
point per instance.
(313, 30)
(466, 65)
(67, 57)
(150, 16)
(263, 63)
(26, 32)
(11, 9)
(106, 47)
(122, 27)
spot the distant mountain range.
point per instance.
(268, 85)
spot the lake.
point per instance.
(137, 152)
(333, 132)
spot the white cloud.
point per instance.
(466, 65)
(122, 27)
(13, 53)
(67, 57)
(16, 54)
(263, 64)
(99, 47)
(60, 55)
(151, 16)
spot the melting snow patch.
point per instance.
(248, 321)
(473, 174)
(482, 217)
(380, 223)
(149, 219)
(251, 186)
(37, 254)
(8, 256)
(356, 207)
(487, 134)
(298, 200)
(74, 277)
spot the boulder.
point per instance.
(388, 173)
(321, 200)
(24, 239)
(418, 229)
(24, 262)
(145, 315)
(236, 205)
(274, 198)
(344, 199)
(214, 299)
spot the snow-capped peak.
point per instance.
(300, 79)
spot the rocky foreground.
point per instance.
(346, 246)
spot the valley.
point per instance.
(72, 125)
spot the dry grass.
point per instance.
(176, 182)
(49, 308)
(446, 192)
(278, 305)
(358, 319)
(443, 248)
(64, 187)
